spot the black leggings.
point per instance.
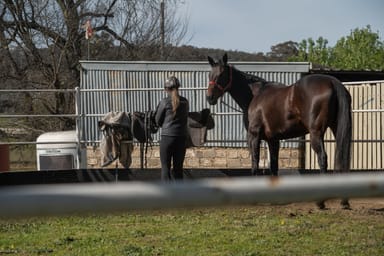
(172, 149)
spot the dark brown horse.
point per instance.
(274, 111)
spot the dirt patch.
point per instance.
(361, 206)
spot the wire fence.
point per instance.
(368, 117)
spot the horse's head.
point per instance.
(220, 79)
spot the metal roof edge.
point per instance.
(204, 62)
(365, 82)
(301, 67)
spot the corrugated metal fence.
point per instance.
(138, 86)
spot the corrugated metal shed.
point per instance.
(138, 86)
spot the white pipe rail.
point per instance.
(63, 199)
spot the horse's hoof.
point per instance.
(321, 205)
(345, 206)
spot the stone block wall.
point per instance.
(208, 157)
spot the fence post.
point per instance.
(4, 157)
(78, 123)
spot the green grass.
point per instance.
(256, 230)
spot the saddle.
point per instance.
(198, 124)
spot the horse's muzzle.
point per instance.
(211, 100)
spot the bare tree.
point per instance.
(42, 41)
(140, 33)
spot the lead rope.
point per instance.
(148, 139)
(229, 106)
(131, 115)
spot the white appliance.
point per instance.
(63, 155)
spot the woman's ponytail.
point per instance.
(175, 100)
(172, 85)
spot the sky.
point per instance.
(256, 25)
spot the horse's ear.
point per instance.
(211, 61)
(225, 58)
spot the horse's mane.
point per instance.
(252, 79)
(257, 84)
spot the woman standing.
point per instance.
(172, 115)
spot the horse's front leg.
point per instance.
(254, 146)
(274, 147)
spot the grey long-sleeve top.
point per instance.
(172, 125)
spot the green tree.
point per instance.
(316, 52)
(361, 50)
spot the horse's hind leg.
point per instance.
(317, 144)
(344, 201)
(254, 146)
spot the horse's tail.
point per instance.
(344, 128)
